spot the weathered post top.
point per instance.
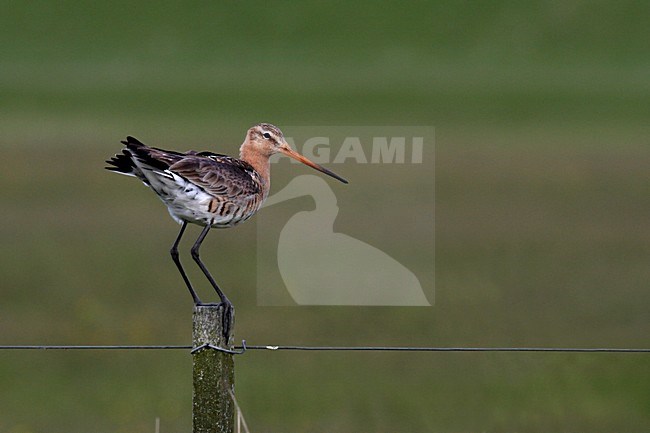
(208, 327)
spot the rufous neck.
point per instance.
(259, 162)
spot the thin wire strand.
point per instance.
(341, 348)
(93, 347)
(449, 349)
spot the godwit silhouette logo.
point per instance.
(321, 267)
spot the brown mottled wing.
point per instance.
(219, 175)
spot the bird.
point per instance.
(209, 189)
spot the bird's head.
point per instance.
(267, 139)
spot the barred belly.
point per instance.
(204, 209)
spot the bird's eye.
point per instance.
(266, 135)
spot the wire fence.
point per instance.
(244, 347)
(240, 423)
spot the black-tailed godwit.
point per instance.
(209, 189)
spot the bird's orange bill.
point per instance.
(298, 157)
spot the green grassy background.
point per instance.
(542, 200)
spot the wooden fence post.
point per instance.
(213, 408)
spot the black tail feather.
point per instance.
(132, 142)
(151, 157)
(122, 163)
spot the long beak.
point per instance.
(298, 157)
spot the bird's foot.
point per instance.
(227, 317)
(228, 320)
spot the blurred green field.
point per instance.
(542, 200)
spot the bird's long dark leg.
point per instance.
(228, 309)
(174, 253)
